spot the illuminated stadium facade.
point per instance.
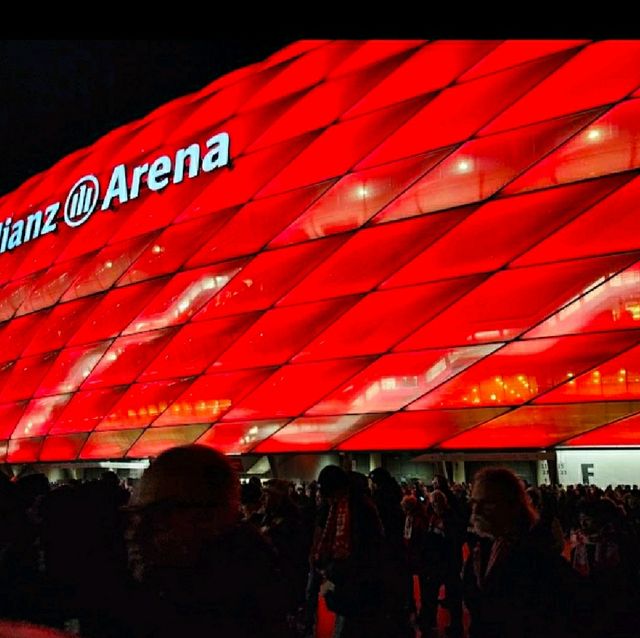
(350, 246)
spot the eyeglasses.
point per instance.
(163, 508)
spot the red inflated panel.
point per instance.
(40, 415)
(613, 305)
(25, 377)
(126, 358)
(156, 440)
(356, 198)
(303, 72)
(109, 445)
(339, 148)
(293, 388)
(245, 128)
(86, 410)
(609, 145)
(395, 380)
(182, 296)
(169, 250)
(324, 104)
(314, 434)
(24, 450)
(62, 448)
(142, 403)
(209, 111)
(149, 136)
(601, 73)
(211, 396)
(514, 52)
(512, 301)
(16, 334)
(459, 111)
(9, 416)
(238, 438)
(13, 294)
(523, 370)
(432, 67)
(373, 51)
(71, 368)
(93, 236)
(593, 233)
(268, 277)
(50, 286)
(351, 270)
(248, 230)
(417, 430)
(481, 167)
(500, 230)
(103, 269)
(623, 432)
(10, 261)
(196, 346)
(266, 344)
(115, 310)
(6, 370)
(617, 379)
(41, 252)
(382, 319)
(541, 426)
(54, 332)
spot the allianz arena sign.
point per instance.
(124, 185)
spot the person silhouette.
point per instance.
(516, 584)
(200, 569)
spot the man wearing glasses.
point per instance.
(200, 570)
(516, 584)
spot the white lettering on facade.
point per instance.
(158, 172)
(192, 153)
(117, 187)
(218, 154)
(83, 198)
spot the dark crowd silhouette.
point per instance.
(193, 552)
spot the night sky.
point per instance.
(59, 95)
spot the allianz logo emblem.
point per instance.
(82, 200)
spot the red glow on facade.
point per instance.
(406, 245)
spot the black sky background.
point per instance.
(59, 95)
